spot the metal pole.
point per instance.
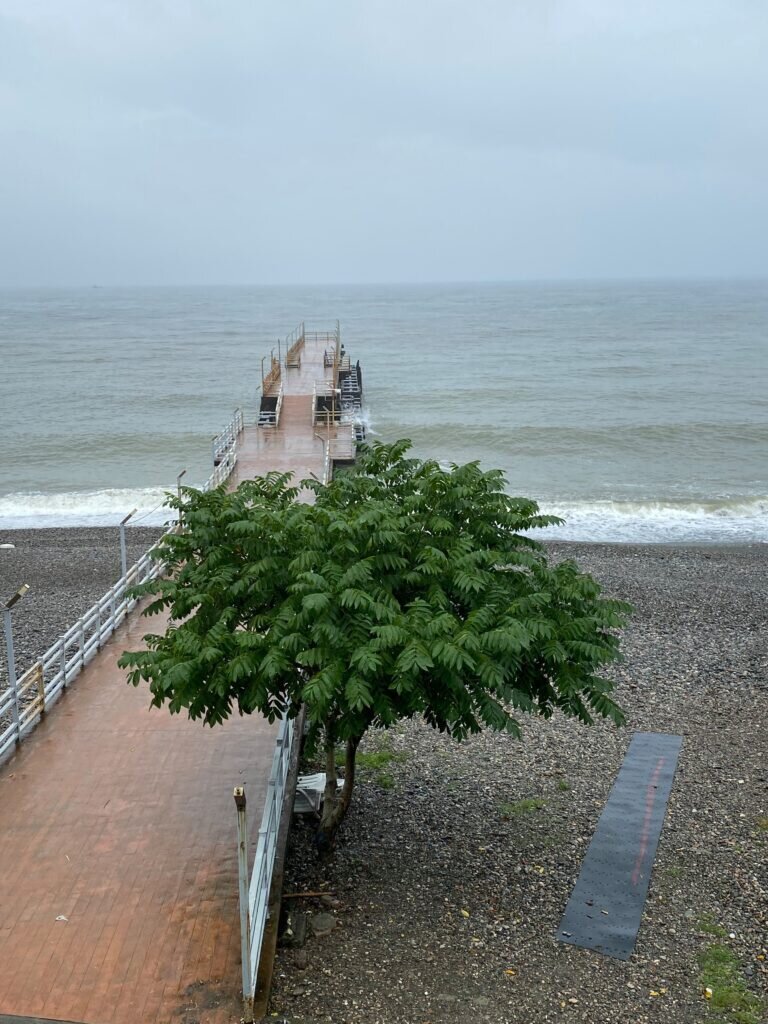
(178, 489)
(245, 917)
(11, 658)
(123, 555)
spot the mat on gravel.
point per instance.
(606, 905)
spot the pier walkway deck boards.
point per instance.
(293, 447)
(120, 819)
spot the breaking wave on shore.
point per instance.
(85, 508)
(743, 521)
(682, 522)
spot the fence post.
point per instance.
(40, 682)
(11, 658)
(245, 917)
(123, 556)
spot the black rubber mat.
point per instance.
(606, 905)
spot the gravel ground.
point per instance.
(445, 890)
(67, 570)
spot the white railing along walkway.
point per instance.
(254, 890)
(222, 442)
(29, 696)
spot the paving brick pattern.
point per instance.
(121, 820)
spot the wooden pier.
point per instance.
(119, 884)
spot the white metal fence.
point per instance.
(222, 442)
(254, 890)
(25, 699)
(38, 687)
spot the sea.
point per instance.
(636, 411)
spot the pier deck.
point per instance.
(118, 887)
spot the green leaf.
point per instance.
(405, 590)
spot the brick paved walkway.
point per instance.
(121, 820)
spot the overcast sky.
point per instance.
(240, 141)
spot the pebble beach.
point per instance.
(456, 860)
(68, 570)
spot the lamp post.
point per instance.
(8, 626)
(123, 556)
(178, 490)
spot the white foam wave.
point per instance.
(84, 508)
(734, 521)
(362, 417)
(651, 522)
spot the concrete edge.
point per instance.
(269, 942)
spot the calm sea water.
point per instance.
(637, 411)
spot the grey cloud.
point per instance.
(193, 141)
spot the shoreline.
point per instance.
(20, 531)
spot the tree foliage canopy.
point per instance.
(405, 590)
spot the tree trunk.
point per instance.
(335, 802)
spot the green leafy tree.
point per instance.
(404, 590)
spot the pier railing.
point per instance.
(26, 699)
(327, 411)
(37, 688)
(222, 442)
(294, 344)
(271, 377)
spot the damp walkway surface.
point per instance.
(118, 840)
(118, 888)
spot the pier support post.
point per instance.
(245, 917)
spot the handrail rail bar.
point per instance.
(41, 684)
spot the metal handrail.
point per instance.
(279, 406)
(326, 441)
(271, 377)
(255, 913)
(44, 681)
(294, 343)
(228, 436)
